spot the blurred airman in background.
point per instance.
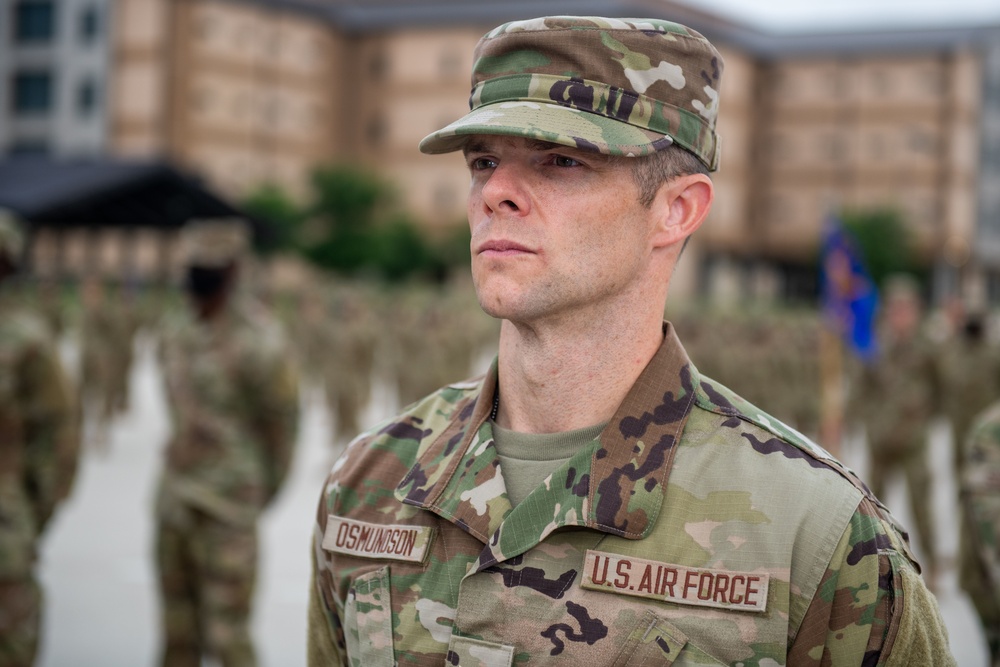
(38, 454)
(233, 396)
(970, 371)
(897, 395)
(979, 574)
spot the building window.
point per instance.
(86, 97)
(32, 92)
(378, 66)
(882, 82)
(90, 21)
(201, 100)
(835, 147)
(34, 21)
(205, 27)
(377, 131)
(921, 141)
(29, 147)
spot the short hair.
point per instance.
(651, 171)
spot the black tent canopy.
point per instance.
(108, 192)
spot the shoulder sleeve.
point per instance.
(921, 638)
(871, 607)
(322, 650)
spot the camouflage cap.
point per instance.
(214, 242)
(902, 286)
(615, 86)
(11, 235)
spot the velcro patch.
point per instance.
(375, 540)
(701, 587)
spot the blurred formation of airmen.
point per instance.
(348, 361)
(107, 330)
(979, 550)
(49, 301)
(349, 335)
(232, 391)
(38, 454)
(436, 334)
(970, 371)
(770, 358)
(896, 396)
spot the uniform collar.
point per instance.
(618, 488)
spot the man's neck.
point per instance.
(562, 378)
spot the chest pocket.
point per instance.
(368, 621)
(656, 642)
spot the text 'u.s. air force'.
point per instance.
(702, 587)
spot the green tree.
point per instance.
(402, 250)
(276, 208)
(350, 198)
(884, 241)
(354, 225)
(348, 205)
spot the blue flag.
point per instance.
(849, 296)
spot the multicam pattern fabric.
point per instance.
(686, 476)
(38, 456)
(980, 545)
(970, 380)
(896, 396)
(234, 406)
(233, 397)
(615, 86)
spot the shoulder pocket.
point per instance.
(368, 621)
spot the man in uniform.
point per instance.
(970, 376)
(38, 454)
(898, 394)
(594, 498)
(234, 408)
(979, 479)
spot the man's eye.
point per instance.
(563, 161)
(480, 163)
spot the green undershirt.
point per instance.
(526, 459)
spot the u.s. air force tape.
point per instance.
(701, 587)
(374, 540)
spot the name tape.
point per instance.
(700, 587)
(373, 540)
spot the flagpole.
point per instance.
(831, 366)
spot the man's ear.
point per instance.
(680, 206)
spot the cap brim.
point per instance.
(547, 122)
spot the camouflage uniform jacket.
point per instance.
(38, 435)
(970, 372)
(694, 531)
(980, 492)
(233, 396)
(900, 392)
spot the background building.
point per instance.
(248, 92)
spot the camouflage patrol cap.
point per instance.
(615, 86)
(214, 242)
(11, 236)
(902, 286)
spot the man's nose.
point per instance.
(507, 189)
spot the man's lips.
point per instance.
(502, 247)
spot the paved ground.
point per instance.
(96, 560)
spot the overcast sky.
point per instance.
(811, 15)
